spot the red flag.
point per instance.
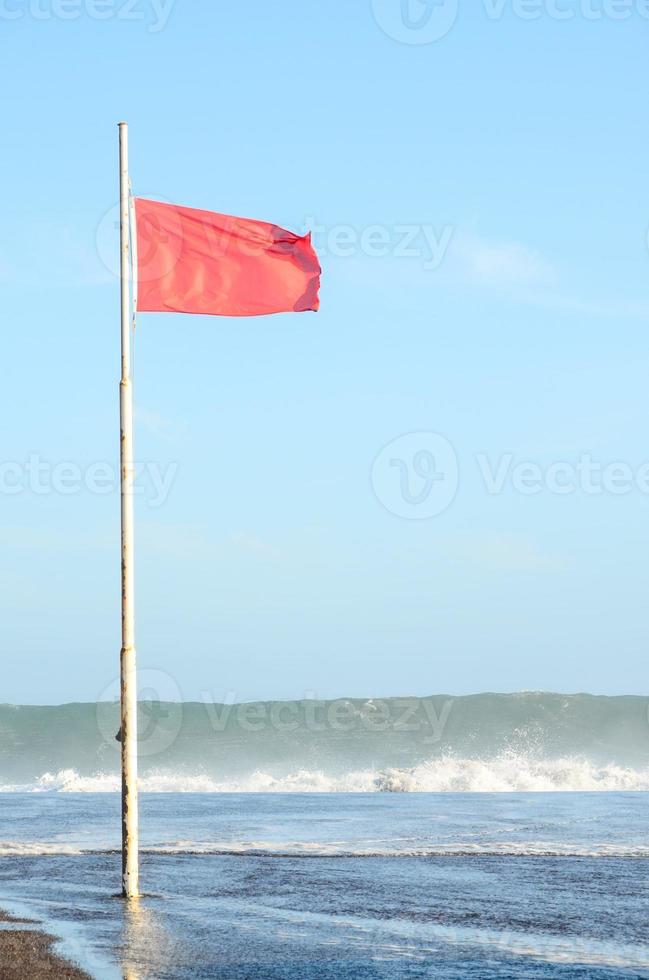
(193, 261)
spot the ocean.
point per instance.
(501, 836)
(484, 742)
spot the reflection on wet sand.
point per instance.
(147, 947)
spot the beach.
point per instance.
(325, 489)
(27, 952)
(367, 885)
(403, 838)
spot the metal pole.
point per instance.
(130, 870)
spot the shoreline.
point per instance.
(28, 952)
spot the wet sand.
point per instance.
(26, 954)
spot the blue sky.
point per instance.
(481, 209)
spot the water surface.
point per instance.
(340, 885)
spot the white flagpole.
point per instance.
(130, 870)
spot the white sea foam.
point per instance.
(339, 849)
(370, 849)
(10, 848)
(506, 773)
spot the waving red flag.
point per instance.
(191, 261)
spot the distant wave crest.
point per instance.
(506, 773)
(10, 848)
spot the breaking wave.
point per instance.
(485, 848)
(10, 848)
(483, 743)
(507, 773)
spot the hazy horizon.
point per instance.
(144, 697)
